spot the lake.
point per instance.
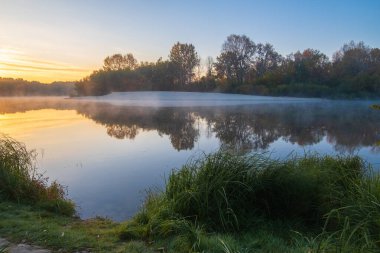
(109, 150)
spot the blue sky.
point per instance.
(75, 36)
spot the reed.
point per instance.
(230, 203)
(21, 182)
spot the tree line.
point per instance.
(20, 87)
(246, 67)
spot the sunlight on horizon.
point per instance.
(17, 64)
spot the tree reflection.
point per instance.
(348, 126)
(122, 131)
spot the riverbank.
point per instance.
(27, 225)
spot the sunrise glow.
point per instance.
(16, 64)
(67, 40)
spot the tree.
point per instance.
(352, 59)
(308, 66)
(120, 62)
(209, 67)
(356, 69)
(236, 58)
(186, 59)
(266, 59)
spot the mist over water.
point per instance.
(187, 99)
(109, 150)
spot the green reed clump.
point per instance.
(334, 199)
(356, 223)
(215, 189)
(305, 188)
(225, 191)
(20, 181)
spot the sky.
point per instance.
(65, 40)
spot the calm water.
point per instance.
(108, 151)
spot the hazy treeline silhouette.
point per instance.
(123, 73)
(20, 87)
(348, 126)
(244, 66)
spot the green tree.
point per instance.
(308, 66)
(236, 58)
(266, 59)
(185, 58)
(356, 69)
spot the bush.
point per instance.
(20, 181)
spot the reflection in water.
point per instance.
(121, 131)
(348, 126)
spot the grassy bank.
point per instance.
(34, 225)
(229, 203)
(34, 211)
(217, 203)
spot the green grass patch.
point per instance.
(20, 222)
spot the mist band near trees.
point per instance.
(246, 67)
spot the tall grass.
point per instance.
(215, 190)
(20, 181)
(225, 191)
(334, 200)
(357, 221)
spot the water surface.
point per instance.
(108, 151)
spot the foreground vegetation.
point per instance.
(21, 182)
(229, 203)
(217, 203)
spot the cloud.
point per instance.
(18, 66)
